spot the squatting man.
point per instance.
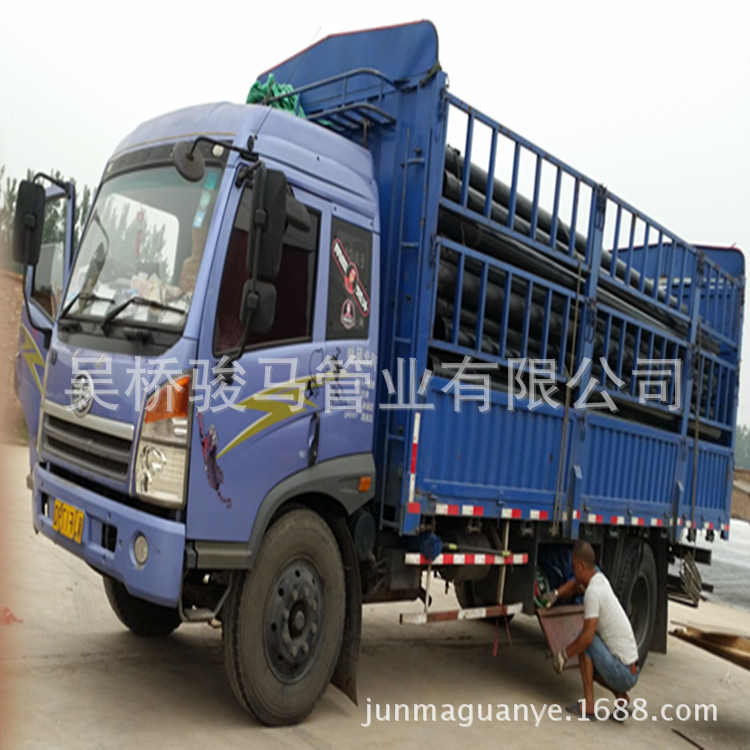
(606, 648)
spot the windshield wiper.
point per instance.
(84, 296)
(140, 301)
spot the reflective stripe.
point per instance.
(414, 448)
(470, 613)
(415, 558)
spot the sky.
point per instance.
(651, 99)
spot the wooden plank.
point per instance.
(734, 648)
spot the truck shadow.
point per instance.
(184, 675)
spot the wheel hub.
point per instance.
(297, 623)
(292, 621)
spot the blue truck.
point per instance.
(322, 348)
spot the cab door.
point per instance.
(44, 285)
(258, 427)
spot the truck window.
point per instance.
(349, 281)
(295, 285)
(46, 288)
(144, 237)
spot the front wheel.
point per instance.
(284, 620)
(139, 616)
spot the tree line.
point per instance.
(742, 447)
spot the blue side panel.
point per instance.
(713, 488)
(628, 470)
(497, 458)
(730, 259)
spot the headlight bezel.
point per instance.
(164, 437)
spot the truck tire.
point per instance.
(284, 620)
(465, 594)
(139, 616)
(636, 588)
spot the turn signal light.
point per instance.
(364, 484)
(171, 401)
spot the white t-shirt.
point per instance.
(612, 626)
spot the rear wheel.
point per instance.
(284, 621)
(139, 616)
(636, 588)
(465, 594)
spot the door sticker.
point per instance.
(348, 315)
(352, 282)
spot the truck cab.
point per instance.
(143, 412)
(192, 377)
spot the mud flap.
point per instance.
(345, 674)
(661, 624)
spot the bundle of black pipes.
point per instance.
(558, 308)
(501, 196)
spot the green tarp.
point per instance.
(262, 93)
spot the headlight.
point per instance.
(161, 460)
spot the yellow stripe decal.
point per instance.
(278, 403)
(32, 356)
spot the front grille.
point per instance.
(90, 448)
(116, 496)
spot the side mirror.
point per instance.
(268, 212)
(297, 214)
(272, 209)
(188, 161)
(258, 305)
(28, 223)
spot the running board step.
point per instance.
(471, 613)
(466, 558)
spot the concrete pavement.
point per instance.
(72, 677)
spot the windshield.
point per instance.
(144, 240)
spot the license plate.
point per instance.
(68, 521)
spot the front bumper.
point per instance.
(109, 532)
